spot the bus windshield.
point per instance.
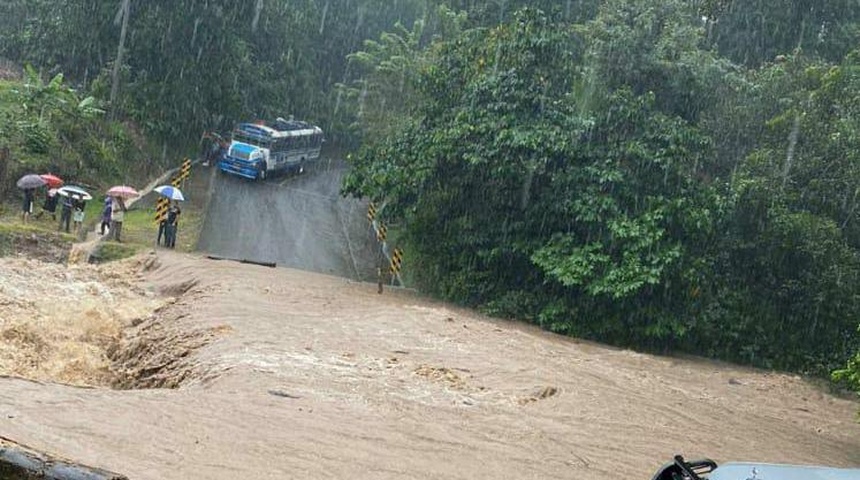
(251, 140)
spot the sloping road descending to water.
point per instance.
(298, 221)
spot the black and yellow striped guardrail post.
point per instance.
(161, 209)
(371, 212)
(396, 261)
(184, 171)
(394, 258)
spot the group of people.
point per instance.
(71, 214)
(112, 216)
(72, 208)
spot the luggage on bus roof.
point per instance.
(284, 125)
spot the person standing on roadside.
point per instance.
(66, 213)
(27, 206)
(106, 214)
(50, 205)
(162, 226)
(78, 216)
(117, 215)
(171, 223)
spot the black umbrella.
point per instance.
(30, 181)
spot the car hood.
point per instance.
(765, 471)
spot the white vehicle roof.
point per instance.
(766, 471)
(296, 133)
(304, 130)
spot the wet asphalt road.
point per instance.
(297, 221)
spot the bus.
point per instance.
(258, 150)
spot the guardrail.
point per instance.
(393, 256)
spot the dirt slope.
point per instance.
(290, 374)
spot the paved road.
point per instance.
(298, 221)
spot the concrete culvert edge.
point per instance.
(20, 462)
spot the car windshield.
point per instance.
(242, 151)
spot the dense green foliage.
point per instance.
(191, 65)
(619, 180)
(664, 174)
(756, 31)
(50, 127)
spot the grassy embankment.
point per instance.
(48, 126)
(139, 229)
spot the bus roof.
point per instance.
(266, 131)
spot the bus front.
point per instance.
(248, 155)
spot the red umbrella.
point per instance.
(52, 180)
(123, 191)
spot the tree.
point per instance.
(495, 12)
(524, 177)
(789, 268)
(124, 13)
(753, 32)
(188, 66)
(383, 92)
(850, 375)
(50, 126)
(619, 181)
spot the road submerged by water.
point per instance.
(225, 370)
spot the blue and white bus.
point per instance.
(260, 149)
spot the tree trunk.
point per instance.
(4, 167)
(257, 10)
(114, 90)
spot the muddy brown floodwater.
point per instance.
(282, 373)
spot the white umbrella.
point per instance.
(72, 190)
(170, 192)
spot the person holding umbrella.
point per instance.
(27, 207)
(170, 225)
(78, 216)
(117, 215)
(118, 209)
(50, 205)
(73, 198)
(66, 213)
(53, 182)
(106, 213)
(170, 222)
(29, 184)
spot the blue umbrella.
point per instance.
(170, 192)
